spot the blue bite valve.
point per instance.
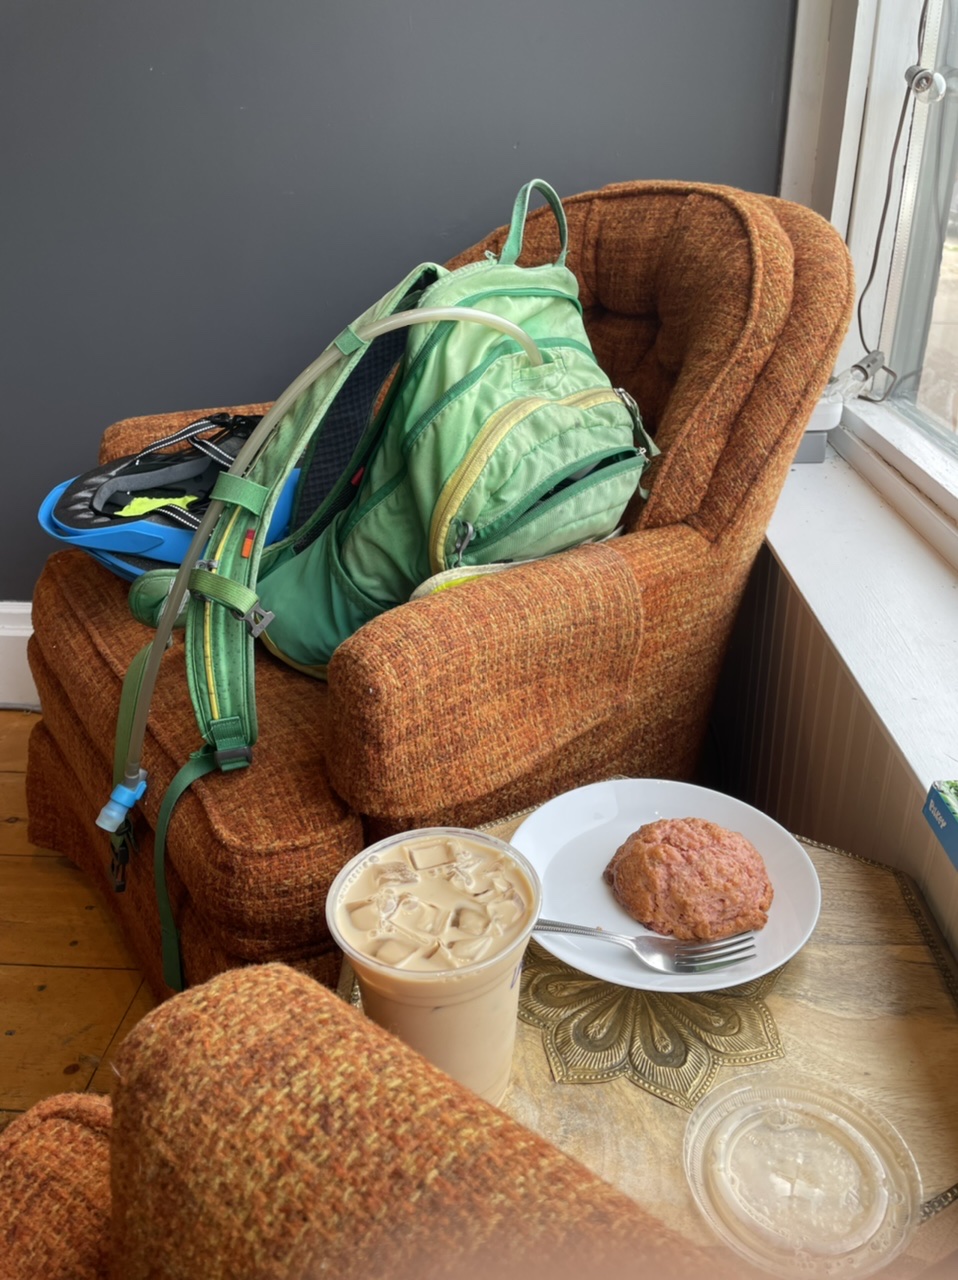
(121, 801)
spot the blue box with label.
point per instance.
(941, 812)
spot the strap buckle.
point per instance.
(233, 756)
(122, 843)
(257, 619)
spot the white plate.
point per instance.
(570, 840)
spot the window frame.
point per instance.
(845, 101)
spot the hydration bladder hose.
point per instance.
(126, 793)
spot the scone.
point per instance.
(691, 879)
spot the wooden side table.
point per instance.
(870, 1003)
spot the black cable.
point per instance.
(881, 221)
(890, 183)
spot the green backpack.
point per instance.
(461, 423)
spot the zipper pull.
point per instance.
(466, 535)
(644, 443)
(630, 404)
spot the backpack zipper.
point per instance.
(612, 469)
(483, 447)
(412, 434)
(467, 532)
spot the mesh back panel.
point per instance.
(334, 443)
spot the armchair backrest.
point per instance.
(722, 313)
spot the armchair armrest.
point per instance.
(511, 688)
(55, 1190)
(451, 697)
(133, 434)
(263, 1126)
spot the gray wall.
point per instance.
(198, 194)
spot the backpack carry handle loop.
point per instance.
(520, 211)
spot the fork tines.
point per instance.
(701, 956)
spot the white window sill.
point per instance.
(918, 476)
(887, 601)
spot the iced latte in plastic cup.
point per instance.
(435, 923)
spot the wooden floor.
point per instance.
(69, 988)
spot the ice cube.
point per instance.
(437, 853)
(506, 912)
(395, 873)
(393, 950)
(436, 955)
(364, 915)
(486, 883)
(466, 859)
(467, 871)
(442, 957)
(467, 949)
(474, 881)
(423, 917)
(387, 901)
(470, 920)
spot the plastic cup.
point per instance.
(462, 1018)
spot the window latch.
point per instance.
(926, 85)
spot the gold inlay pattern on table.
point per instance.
(671, 1045)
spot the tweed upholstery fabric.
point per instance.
(61, 817)
(277, 824)
(570, 722)
(263, 1127)
(722, 313)
(586, 616)
(763, 438)
(55, 1191)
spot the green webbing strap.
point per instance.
(213, 586)
(231, 749)
(241, 491)
(349, 341)
(199, 764)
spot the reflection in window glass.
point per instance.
(937, 391)
(924, 349)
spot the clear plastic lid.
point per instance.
(800, 1177)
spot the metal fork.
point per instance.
(668, 955)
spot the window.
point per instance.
(872, 143)
(922, 306)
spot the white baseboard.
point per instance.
(16, 683)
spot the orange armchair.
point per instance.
(722, 313)
(262, 1128)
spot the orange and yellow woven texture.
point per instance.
(722, 313)
(262, 1128)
